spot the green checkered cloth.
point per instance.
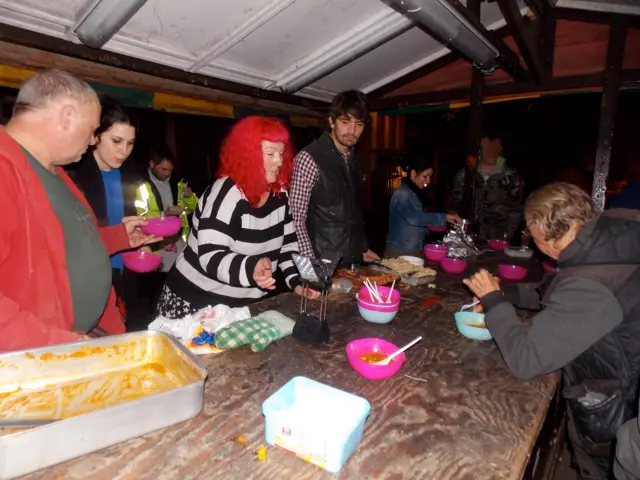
(258, 331)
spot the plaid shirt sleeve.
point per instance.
(304, 177)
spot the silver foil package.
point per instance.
(458, 251)
(455, 239)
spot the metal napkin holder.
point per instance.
(316, 274)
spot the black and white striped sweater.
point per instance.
(228, 238)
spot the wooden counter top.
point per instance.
(466, 418)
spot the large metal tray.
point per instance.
(103, 392)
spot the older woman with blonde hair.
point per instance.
(588, 323)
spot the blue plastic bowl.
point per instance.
(376, 317)
(464, 320)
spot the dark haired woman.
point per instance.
(110, 188)
(242, 229)
(408, 222)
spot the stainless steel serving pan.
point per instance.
(99, 415)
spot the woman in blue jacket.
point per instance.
(408, 222)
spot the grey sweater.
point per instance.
(579, 313)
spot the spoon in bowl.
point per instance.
(471, 305)
(396, 353)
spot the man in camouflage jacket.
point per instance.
(498, 200)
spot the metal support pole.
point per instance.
(475, 131)
(612, 78)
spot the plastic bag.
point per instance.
(197, 331)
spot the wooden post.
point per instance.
(475, 131)
(170, 135)
(612, 78)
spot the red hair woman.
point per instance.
(242, 228)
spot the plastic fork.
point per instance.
(471, 305)
(398, 352)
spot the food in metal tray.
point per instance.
(382, 279)
(372, 274)
(127, 385)
(69, 393)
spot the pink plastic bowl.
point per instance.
(379, 307)
(162, 226)
(549, 266)
(365, 300)
(141, 262)
(437, 229)
(365, 346)
(436, 251)
(497, 244)
(453, 265)
(512, 272)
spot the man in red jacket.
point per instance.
(55, 274)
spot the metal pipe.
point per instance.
(105, 19)
(443, 21)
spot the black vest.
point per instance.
(612, 365)
(334, 218)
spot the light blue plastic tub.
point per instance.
(316, 422)
(464, 322)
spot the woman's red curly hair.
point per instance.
(241, 156)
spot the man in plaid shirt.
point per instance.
(326, 187)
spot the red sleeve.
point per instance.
(20, 329)
(115, 238)
(111, 321)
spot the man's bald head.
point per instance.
(48, 86)
(56, 114)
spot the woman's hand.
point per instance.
(482, 283)
(263, 274)
(311, 294)
(173, 211)
(453, 218)
(370, 256)
(137, 237)
(145, 249)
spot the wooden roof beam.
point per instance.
(47, 43)
(630, 78)
(525, 32)
(605, 18)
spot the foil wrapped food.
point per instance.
(458, 251)
(459, 243)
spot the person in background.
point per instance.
(589, 320)
(627, 460)
(109, 182)
(498, 194)
(159, 195)
(326, 187)
(408, 222)
(630, 197)
(55, 273)
(242, 229)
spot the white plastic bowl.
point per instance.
(413, 260)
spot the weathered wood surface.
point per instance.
(469, 419)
